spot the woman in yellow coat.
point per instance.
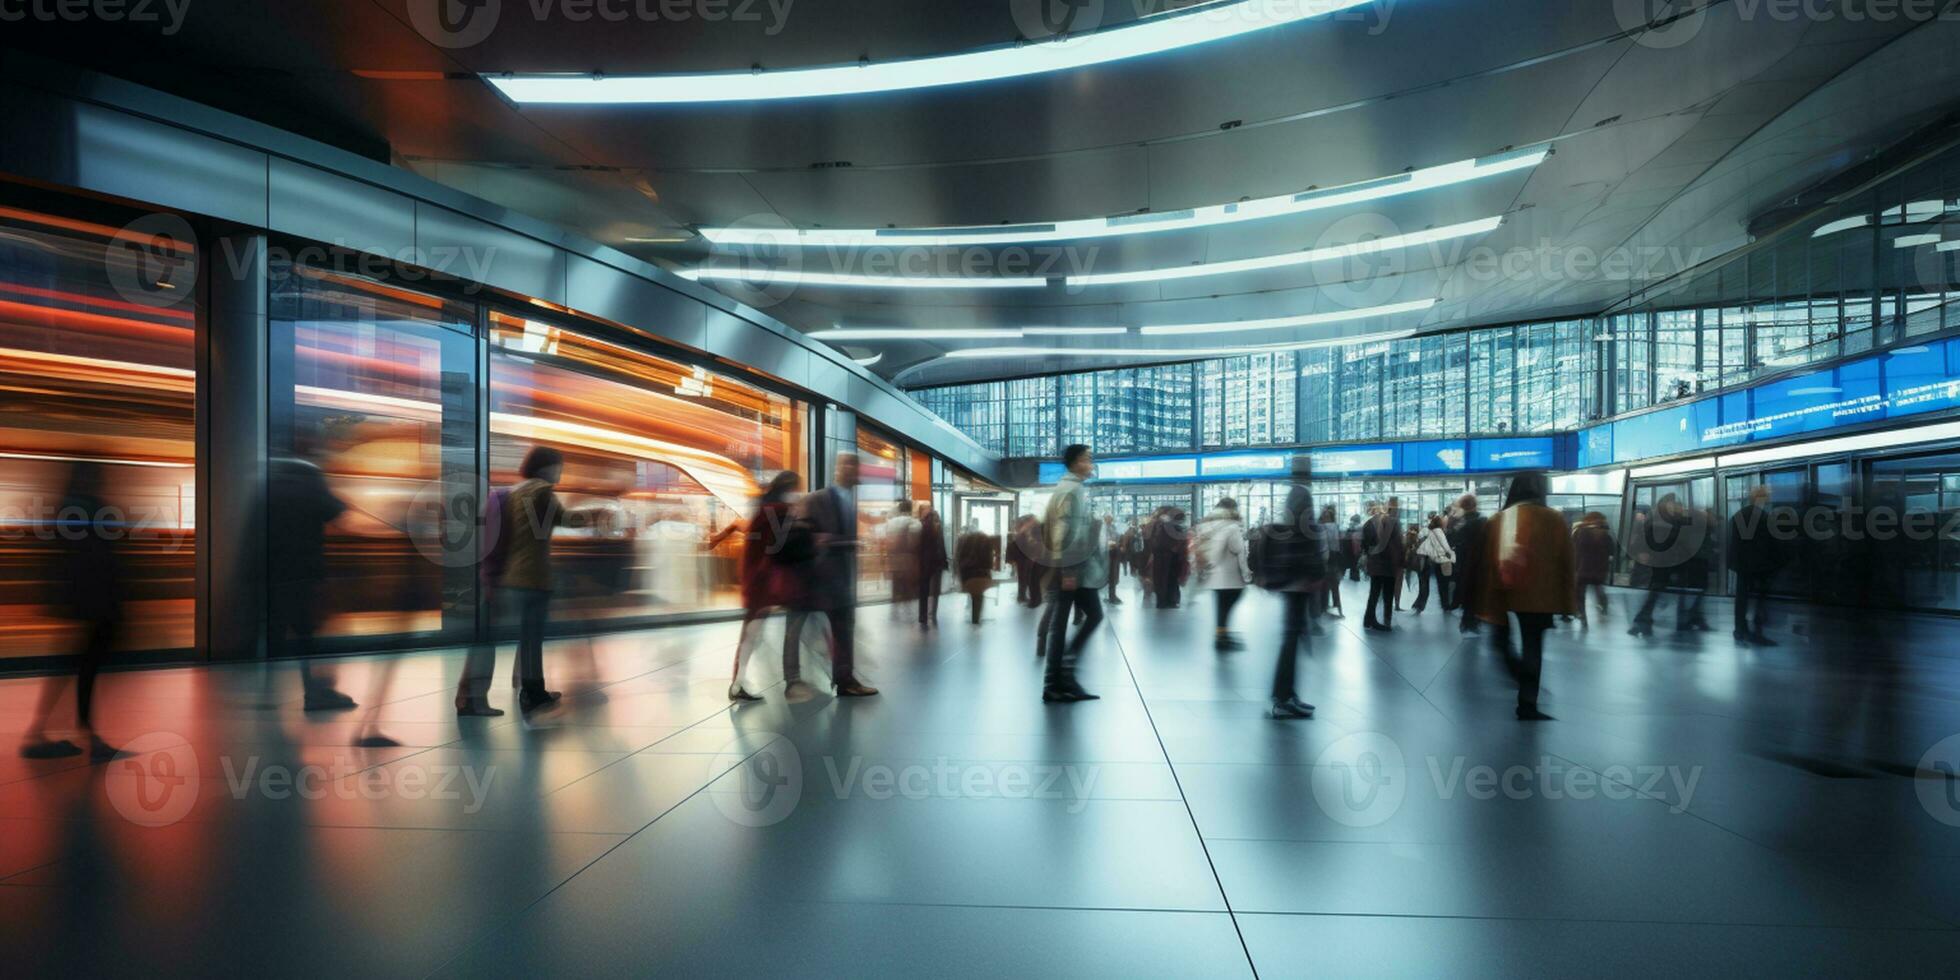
(1527, 573)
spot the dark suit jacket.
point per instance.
(833, 573)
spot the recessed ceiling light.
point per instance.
(1155, 35)
(1914, 241)
(918, 333)
(868, 361)
(1284, 260)
(1841, 224)
(1141, 224)
(1303, 320)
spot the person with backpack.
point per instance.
(772, 550)
(1292, 563)
(1527, 573)
(1223, 567)
(518, 569)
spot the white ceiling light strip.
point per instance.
(1281, 322)
(1431, 236)
(1447, 175)
(1048, 352)
(786, 277)
(1206, 25)
(843, 334)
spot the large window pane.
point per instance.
(662, 456)
(373, 388)
(98, 361)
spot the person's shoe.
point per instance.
(1640, 629)
(1762, 639)
(1115, 601)
(100, 751)
(375, 741)
(856, 690)
(1056, 695)
(1742, 638)
(49, 749)
(328, 701)
(1378, 628)
(1701, 625)
(1289, 709)
(740, 696)
(531, 699)
(467, 708)
(1533, 714)
(799, 692)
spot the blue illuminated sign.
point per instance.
(1497, 455)
(1897, 384)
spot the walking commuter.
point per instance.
(1381, 545)
(1351, 546)
(301, 506)
(1293, 563)
(1668, 544)
(1412, 563)
(1438, 562)
(830, 580)
(1117, 557)
(1169, 557)
(1223, 567)
(93, 581)
(1469, 561)
(1075, 575)
(1022, 546)
(1526, 573)
(1335, 558)
(973, 565)
(771, 551)
(932, 565)
(1753, 556)
(1592, 558)
(900, 539)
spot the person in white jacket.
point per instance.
(1223, 565)
(1438, 562)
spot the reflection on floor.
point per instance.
(1697, 807)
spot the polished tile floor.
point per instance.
(1697, 808)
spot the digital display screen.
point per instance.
(1535, 453)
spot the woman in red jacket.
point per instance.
(768, 581)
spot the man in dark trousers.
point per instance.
(1382, 549)
(1753, 554)
(301, 507)
(1469, 545)
(1022, 546)
(932, 565)
(1116, 556)
(832, 587)
(1072, 559)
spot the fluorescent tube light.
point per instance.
(1155, 35)
(1284, 260)
(792, 278)
(1280, 322)
(1430, 178)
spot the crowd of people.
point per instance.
(1514, 572)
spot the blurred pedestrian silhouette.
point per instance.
(1754, 555)
(932, 564)
(973, 563)
(1170, 557)
(772, 551)
(91, 585)
(1671, 549)
(1117, 556)
(899, 538)
(1527, 573)
(829, 584)
(1471, 529)
(300, 507)
(1592, 558)
(1023, 545)
(1334, 556)
(1223, 567)
(1382, 547)
(1293, 563)
(1435, 561)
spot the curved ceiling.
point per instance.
(1666, 139)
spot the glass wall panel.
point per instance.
(98, 346)
(372, 430)
(881, 484)
(1031, 422)
(663, 458)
